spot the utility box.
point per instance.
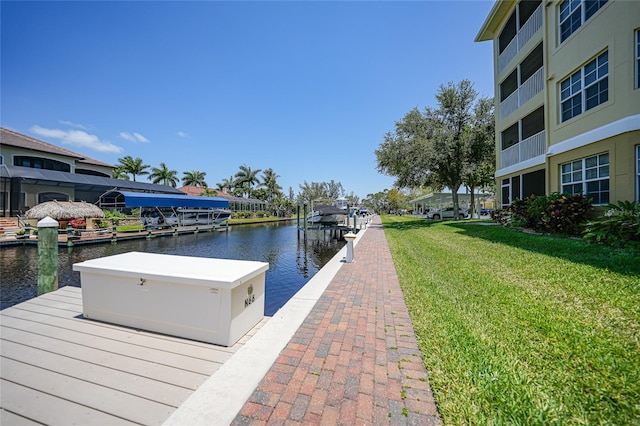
(211, 300)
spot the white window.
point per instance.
(589, 176)
(574, 13)
(637, 59)
(586, 88)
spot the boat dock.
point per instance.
(60, 368)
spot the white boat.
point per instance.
(190, 217)
(325, 215)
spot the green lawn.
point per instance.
(518, 328)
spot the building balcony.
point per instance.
(526, 32)
(528, 148)
(524, 93)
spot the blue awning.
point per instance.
(119, 199)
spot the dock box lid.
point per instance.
(225, 273)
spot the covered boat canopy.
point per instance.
(120, 199)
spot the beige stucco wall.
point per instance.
(622, 168)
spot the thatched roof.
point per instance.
(63, 210)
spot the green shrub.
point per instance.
(556, 213)
(242, 215)
(113, 215)
(618, 225)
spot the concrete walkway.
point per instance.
(354, 359)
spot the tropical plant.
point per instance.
(209, 192)
(113, 215)
(270, 183)
(556, 213)
(164, 175)
(78, 223)
(246, 178)
(194, 178)
(227, 185)
(619, 225)
(133, 166)
(119, 173)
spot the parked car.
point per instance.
(446, 213)
(486, 212)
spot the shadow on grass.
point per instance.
(622, 261)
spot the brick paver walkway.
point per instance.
(355, 359)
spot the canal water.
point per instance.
(293, 259)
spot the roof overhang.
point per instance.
(496, 16)
(78, 181)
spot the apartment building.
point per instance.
(567, 91)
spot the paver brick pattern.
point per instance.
(355, 359)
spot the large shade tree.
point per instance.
(133, 166)
(163, 175)
(194, 178)
(432, 148)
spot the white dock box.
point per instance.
(211, 300)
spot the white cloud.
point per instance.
(133, 137)
(77, 138)
(183, 135)
(140, 138)
(76, 125)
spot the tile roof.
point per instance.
(12, 138)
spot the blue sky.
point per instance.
(306, 88)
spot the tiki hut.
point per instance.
(63, 211)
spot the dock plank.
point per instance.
(109, 359)
(49, 409)
(118, 403)
(153, 390)
(9, 418)
(130, 350)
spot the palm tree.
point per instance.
(163, 175)
(270, 182)
(247, 177)
(195, 178)
(210, 192)
(119, 173)
(134, 166)
(226, 185)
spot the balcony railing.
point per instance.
(529, 148)
(532, 86)
(509, 105)
(525, 91)
(528, 30)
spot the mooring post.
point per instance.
(350, 237)
(304, 216)
(47, 255)
(114, 232)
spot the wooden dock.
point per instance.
(58, 368)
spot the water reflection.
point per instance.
(292, 260)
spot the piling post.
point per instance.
(47, 255)
(304, 216)
(350, 237)
(114, 232)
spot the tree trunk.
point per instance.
(473, 202)
(454, 197)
